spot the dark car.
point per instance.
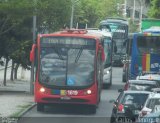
(128, 105)
(141, 85)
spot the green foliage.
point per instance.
(16, 21)
(93, 11)
(133, 26)
(154, 11)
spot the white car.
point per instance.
(150, 105)
(155, 77)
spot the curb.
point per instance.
(26, 110)
(13, 91)
(11, 119)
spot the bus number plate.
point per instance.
(72, 92)
(65, 98)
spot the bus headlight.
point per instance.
(106, 72)
(42, 90)
(89, 91)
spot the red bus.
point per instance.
(69, 68)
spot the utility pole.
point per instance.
(72, 12)
(133, 16)
(124, 9)
(141, 12)
(34, 41)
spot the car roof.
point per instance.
(154, 95)
(136, 92)
(142, 82)
(155, 89)
(149, 77)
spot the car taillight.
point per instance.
(126, 86)
(121, 108)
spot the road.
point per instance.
(74, 114)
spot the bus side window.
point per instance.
(35, 64)
(98, 66)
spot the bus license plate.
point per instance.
(65, 98)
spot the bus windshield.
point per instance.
(67, 61)
(148, 44)
(119, 31)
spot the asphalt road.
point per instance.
(79, 114)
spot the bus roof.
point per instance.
(114, 20)
(75, 33)
(100, 32)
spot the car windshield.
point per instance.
(67, 62)
(134, 98)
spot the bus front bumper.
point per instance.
(88, 99)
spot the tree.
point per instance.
(93, 11)
(154, 11)
(12, 15)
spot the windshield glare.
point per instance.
(67, 66)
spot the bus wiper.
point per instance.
(78, 55)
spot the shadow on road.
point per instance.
(68, 109)
(116, 87)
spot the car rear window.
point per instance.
(142, 87)
(134, 98)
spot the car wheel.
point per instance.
(113, 119)
(40, 107)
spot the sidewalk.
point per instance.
(15, 97)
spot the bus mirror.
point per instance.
(32, 53)
(102, 53)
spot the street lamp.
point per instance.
(72, 12)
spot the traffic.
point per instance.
(80, 61)
(73, 66)
(138, 100)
